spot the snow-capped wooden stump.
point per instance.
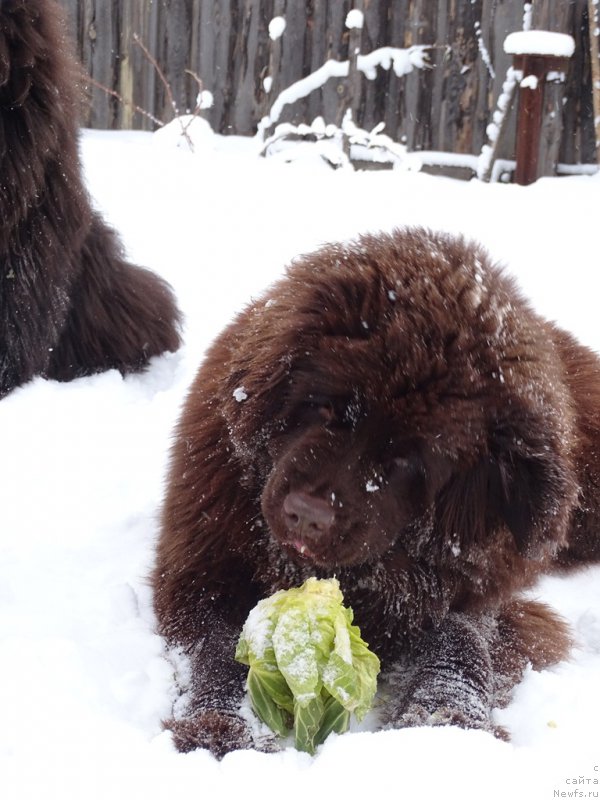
(537, 55)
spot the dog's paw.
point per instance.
(221, 732)
(417, 715)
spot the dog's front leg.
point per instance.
(213, 718)
(449, 680)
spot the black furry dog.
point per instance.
(70, 304)
(394, 413)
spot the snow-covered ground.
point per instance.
(83, 678)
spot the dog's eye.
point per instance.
(323, 409)
(406, 467)
(319, 410)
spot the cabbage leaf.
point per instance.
(309, 667)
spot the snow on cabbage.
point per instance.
(309, 667)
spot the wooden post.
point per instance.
(349, 89)
(594, 25)
(535, 55)
(274, 85)
(354, 76)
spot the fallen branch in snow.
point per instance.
(290, 142)
(339, 146)
(204, 99)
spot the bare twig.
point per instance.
(125, 102)
(184, 125)
(198, 80)
(197, 108)
(176, 113)
(137, 40)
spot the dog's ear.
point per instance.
(532, 483)
(466, 507)
(525, 483)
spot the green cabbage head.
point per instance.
(309, 668)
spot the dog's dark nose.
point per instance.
(306, 515)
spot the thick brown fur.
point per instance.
(394, 413)
(70, 304)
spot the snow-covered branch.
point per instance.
(401, 61)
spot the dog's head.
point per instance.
(399, 394)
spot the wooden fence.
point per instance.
(226, 44)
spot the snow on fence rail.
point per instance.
(228, 45)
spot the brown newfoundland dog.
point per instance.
(70, 304)
(394, 413)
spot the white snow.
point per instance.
(355, 18)
(539, 43)
(240, 394)
(276, 27)
(401, 61)
(258, 628)
(529, 82)
(84, 681)
(205, 99)
(556, 76)
(484, 52)
(188, 131)
(288, 143)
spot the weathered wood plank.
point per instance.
(226, 43)
(551, 16)
(577, 144)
